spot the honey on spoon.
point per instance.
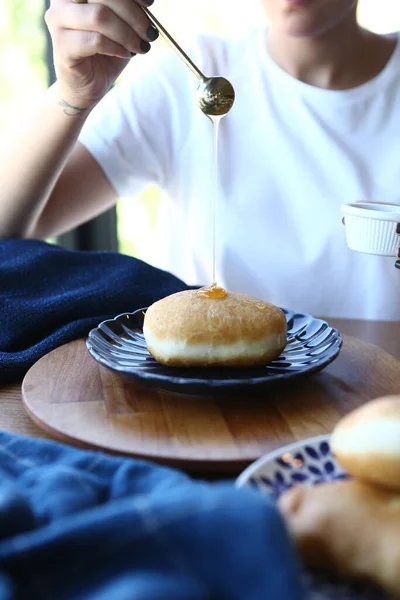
(215, 95)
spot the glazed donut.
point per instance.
(366, 442)
(189, 329)
(348, 529)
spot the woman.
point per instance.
(315, 124)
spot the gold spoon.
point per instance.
(215, 95)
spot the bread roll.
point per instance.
(188, 329)
(366, 442)
(348, 529)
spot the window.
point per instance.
(23, 69)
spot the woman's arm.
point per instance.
(49, 182)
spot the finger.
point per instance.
(83, 44)
(130, 12)
(145, 3)
(96, 18)
(398, 228)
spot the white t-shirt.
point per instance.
(290, 154)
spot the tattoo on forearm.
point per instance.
(70, 110)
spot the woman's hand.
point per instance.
(93, 42)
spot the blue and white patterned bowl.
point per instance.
(310, 461)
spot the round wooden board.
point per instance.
(76, 400)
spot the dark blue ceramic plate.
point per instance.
(119, 345)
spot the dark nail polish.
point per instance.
(152, 33)
(148, 2)
(398, 253)
(397, 264)
(133, 53)
(398, 228)
(145, 46)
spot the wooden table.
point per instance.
(385, 335)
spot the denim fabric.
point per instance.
(82, 525)
(50, 296)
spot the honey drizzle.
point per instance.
(216, 122)
(259, 305)
(213, 291)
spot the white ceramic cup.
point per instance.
(371, 227)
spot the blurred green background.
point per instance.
(23, 75)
